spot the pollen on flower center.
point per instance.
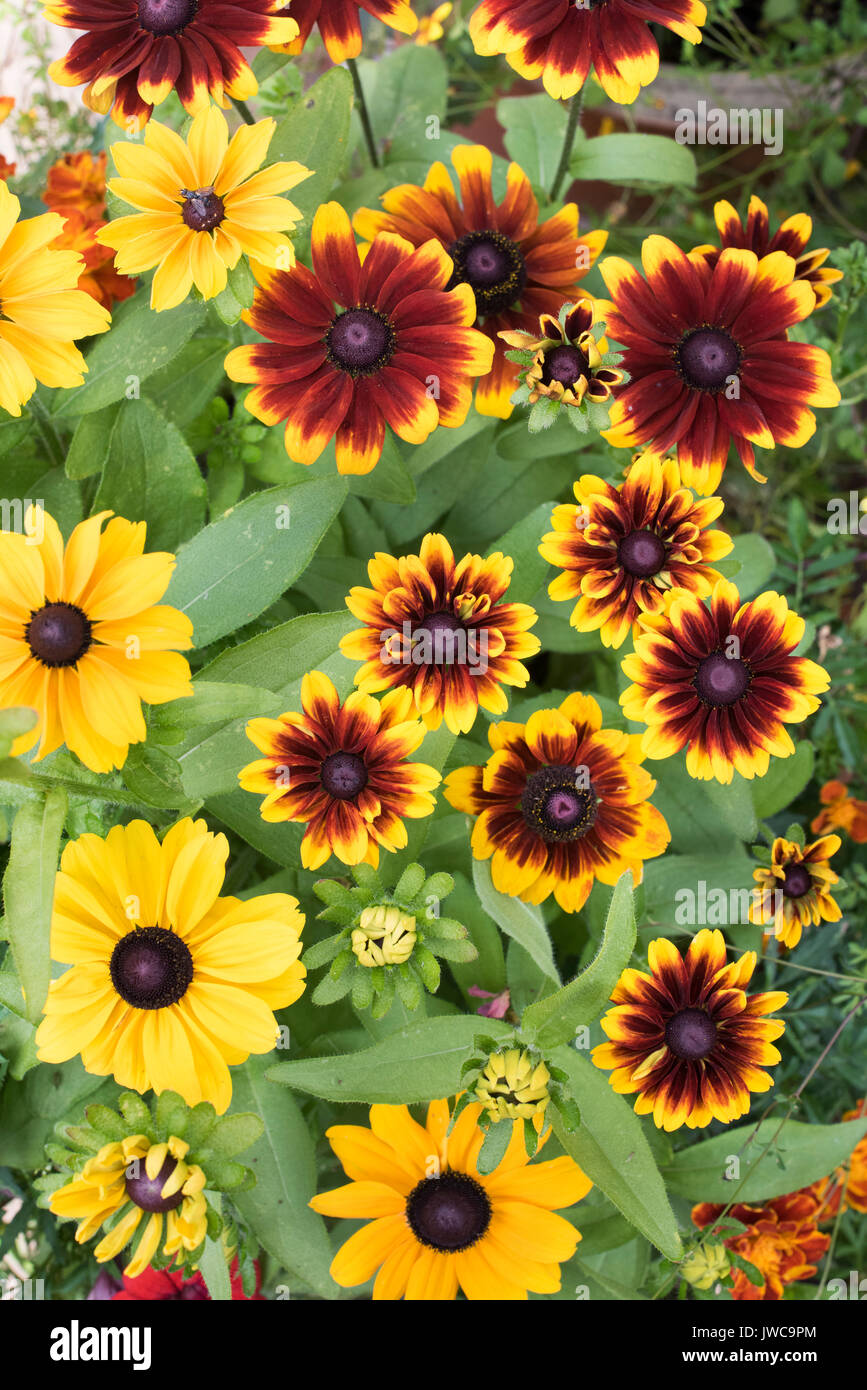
(564, 364)
(360, 341)
(707, 357)
(796, 881)
(151, 968)
(147, 1193)
(556, 807)
(203, 210)
(691, 1034)
(448, 1213)
(641, 554)
(58, 634)
(721, 679)
(166, 16)
(343, 775)
(494, 267)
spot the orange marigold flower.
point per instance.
(99, 278)
(7, 170)
(847, 1185)
(77, 181)
(842, 812)
(782, 1241)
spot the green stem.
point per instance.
(576, 109)
(45, 425)
(363, 113)
(243, 110)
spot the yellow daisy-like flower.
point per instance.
(170, 983)
(137, 1181)
(794, 890)
(41, 310)
(430, 26)
(435, 1223)
(83, 638)
(202, 206)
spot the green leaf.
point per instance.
(633, 159)
(534, 127)
(90, 446)
(553, 1020)
(673, 891)
(182, 390)
(154, 777)
(402, 89)
(809, 1152)
(51, 1094)
(521, 543)
(238, 566)
(150, 475)
(523, 922)
(28, 893)
(235, 1132)
(610, 1146)
(212, 1264)
(703, 817)
(216, 702)
(139, 344)
(750, 564)
(284, 1162)
(420, 1062)
(494, 1146)
(315, 132)
(784, 781)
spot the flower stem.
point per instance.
(576, 109)
(243, 110)
(364, 114)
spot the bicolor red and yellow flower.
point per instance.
(559, 40)
(339, 23)
(567, 364)
(443, 630)
(782, 1241)
(352, 347)
(792, 237)
(341, 770)
(83, 636)
(721, 681)
(518, 267)
(133, 53)
(709, 360)
(435, 1223)
(841, 811)
(687, 1038)
(170, 983)
(794, 890)
(560, 804)
(43, 310)
(202, 205)
(622, 549)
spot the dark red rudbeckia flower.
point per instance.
(791, 237)
(518, 267)
(134, 52)
(709, 359)
(339, 23)
(163, 1285)
(355, 347)
(721, 680)
(558, 40)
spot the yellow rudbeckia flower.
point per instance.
(41, 311)
(202, 206)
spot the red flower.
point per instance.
(339, 23)
(161, 1285)
(791, 237)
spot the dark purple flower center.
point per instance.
(691, 1034)
(707, 357)
(556, 806)
(641, 554)
(58, 634)
(493, 266)
(797, 881)
(343, 775)
(151, 968)
(721, 679)
(451, 1212)
(444, 647)
(565, 364)
(147, 1192)
(166, 16)
(203, 210)
(360, 341)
